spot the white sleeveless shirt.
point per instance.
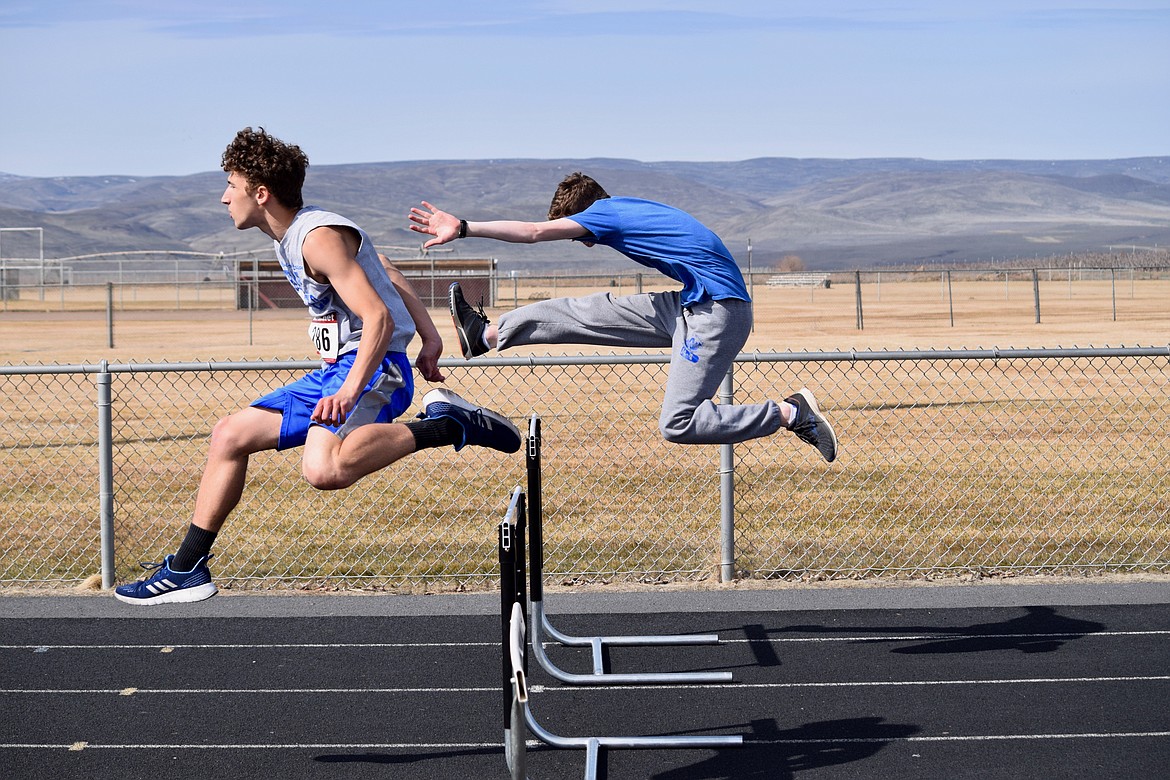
(323, 301)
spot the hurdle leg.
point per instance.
(512, 599)
(515, 746)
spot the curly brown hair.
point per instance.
(574, 194)
(264, 160)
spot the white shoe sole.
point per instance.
(442, 395)
(821, 421)
(178, 596)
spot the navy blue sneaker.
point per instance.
(810, 425)
(167, 586)
(481, 427)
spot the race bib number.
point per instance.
(326, 335)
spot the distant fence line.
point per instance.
(228, 290)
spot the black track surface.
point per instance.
(899, 686)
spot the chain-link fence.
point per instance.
(957, 461)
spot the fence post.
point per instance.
(860, 316)
(950, 299)
(106, 473)
(253, 295)
(1036, 292)
(1113, 290)
(727, 489)
(110, 315)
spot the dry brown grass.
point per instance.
(907, 315)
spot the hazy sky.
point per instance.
(142, 87)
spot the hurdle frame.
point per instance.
(541, 626)
(518, 716)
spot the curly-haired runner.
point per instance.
(363, 315)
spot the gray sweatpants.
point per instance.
(704, 340)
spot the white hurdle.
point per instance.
(518, 717)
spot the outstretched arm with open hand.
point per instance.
(446, 227)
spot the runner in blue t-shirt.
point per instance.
(705, 324)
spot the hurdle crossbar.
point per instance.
(541, 626)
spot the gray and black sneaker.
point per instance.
(469, 322)
(811, 426)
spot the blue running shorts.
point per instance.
(388, 394)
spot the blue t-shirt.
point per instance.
(668, 240)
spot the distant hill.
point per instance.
(832, 213)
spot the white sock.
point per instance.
(791, 413)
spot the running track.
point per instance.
(979, 681)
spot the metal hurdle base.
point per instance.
(522, 717)
(540, 627)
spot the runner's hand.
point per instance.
(331, 410)
(427, 361)
(434, 222)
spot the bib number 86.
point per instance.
(325, 336)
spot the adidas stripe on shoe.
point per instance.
(166, 586)
(481, 427)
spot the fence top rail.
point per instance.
(991, 353)
(164, 368)
(846, 356)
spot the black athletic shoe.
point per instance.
(469, 322)
(811, 426)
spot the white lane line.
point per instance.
(253, 691)
(257, 646)
(856, 684)
(943, 637)
(581, 689)
(962, 738)
(75, 746)
(461, 645)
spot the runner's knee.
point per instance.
(324, 476)
(674, 428)
(229, 438)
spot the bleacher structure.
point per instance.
(430, 277)
(800, 280)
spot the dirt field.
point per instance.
(898, 315)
